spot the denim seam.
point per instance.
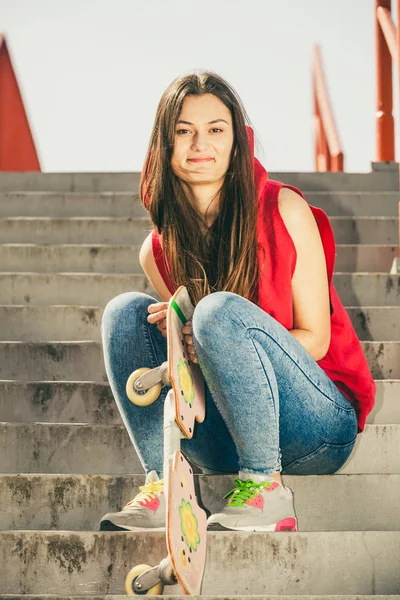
(278, 462)
(149, 342)
(325, 446)
(248, 328)
(227, 424)
(347, 410)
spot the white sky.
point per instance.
(92, 73)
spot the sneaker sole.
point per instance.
(284, 525)
(110, 526)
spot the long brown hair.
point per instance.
(225, 259)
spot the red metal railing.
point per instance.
(17, 147)
(387, 37)
(328, 150)
(387, 41)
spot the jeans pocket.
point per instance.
(324, 460)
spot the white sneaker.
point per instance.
(262, 506)
(146, 511)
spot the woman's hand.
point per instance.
(187, 332)
(158, 315)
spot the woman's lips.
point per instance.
(199, 159)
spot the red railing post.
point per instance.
(327, 146)
(385, 150)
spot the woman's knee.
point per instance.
(211, 310)
(125, 309)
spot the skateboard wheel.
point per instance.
(145, 398)
(131, 578)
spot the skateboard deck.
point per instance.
(186, 529)
(186, 378)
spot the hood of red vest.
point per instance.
(260, 174)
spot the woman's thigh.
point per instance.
(317, 423)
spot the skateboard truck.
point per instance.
(144, 385)
(151, 577)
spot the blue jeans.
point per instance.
(269, 406)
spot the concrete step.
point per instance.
(75, 204)
(366, 258)
(37, 562)
(96, 289)
(376, 323)
(126, 204)
(133, 230)
(83, 361)
(365, 289)
(105, 258)
(362, 204)
(70, 258)
(77, 502)
(83, 402)
(177, 597)
(377, 180)
(365, 230)
(89, 402)
(75, 230)
(59, 448)
(69, 323)
(91, 288)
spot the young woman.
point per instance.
(287, 385)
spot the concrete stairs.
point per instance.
(68, 244)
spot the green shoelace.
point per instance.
(245, 490)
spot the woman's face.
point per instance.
(199, 137)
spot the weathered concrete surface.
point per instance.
(133, 230)
(203, 597)
(88, 289)
(70, 323)
(379, 181)
(365, 230)
(88, 402)
(395, 268)
(59, 448)
(354, 204)
(257, 563)
(365, 258)
(72, 182)
(70, 258)
(376, 323)
(77, 502)
(106, 258)
(126, 204)
(106, 230)
(367, 289)
(96, 289)
(105, 204)
(62, 402)
(83, 361)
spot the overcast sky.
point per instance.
(92, 73)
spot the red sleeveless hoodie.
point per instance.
(344, 363)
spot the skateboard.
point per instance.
(186, 526)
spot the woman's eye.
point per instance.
(213, 129)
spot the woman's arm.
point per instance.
(311, 307)
(151, 271)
